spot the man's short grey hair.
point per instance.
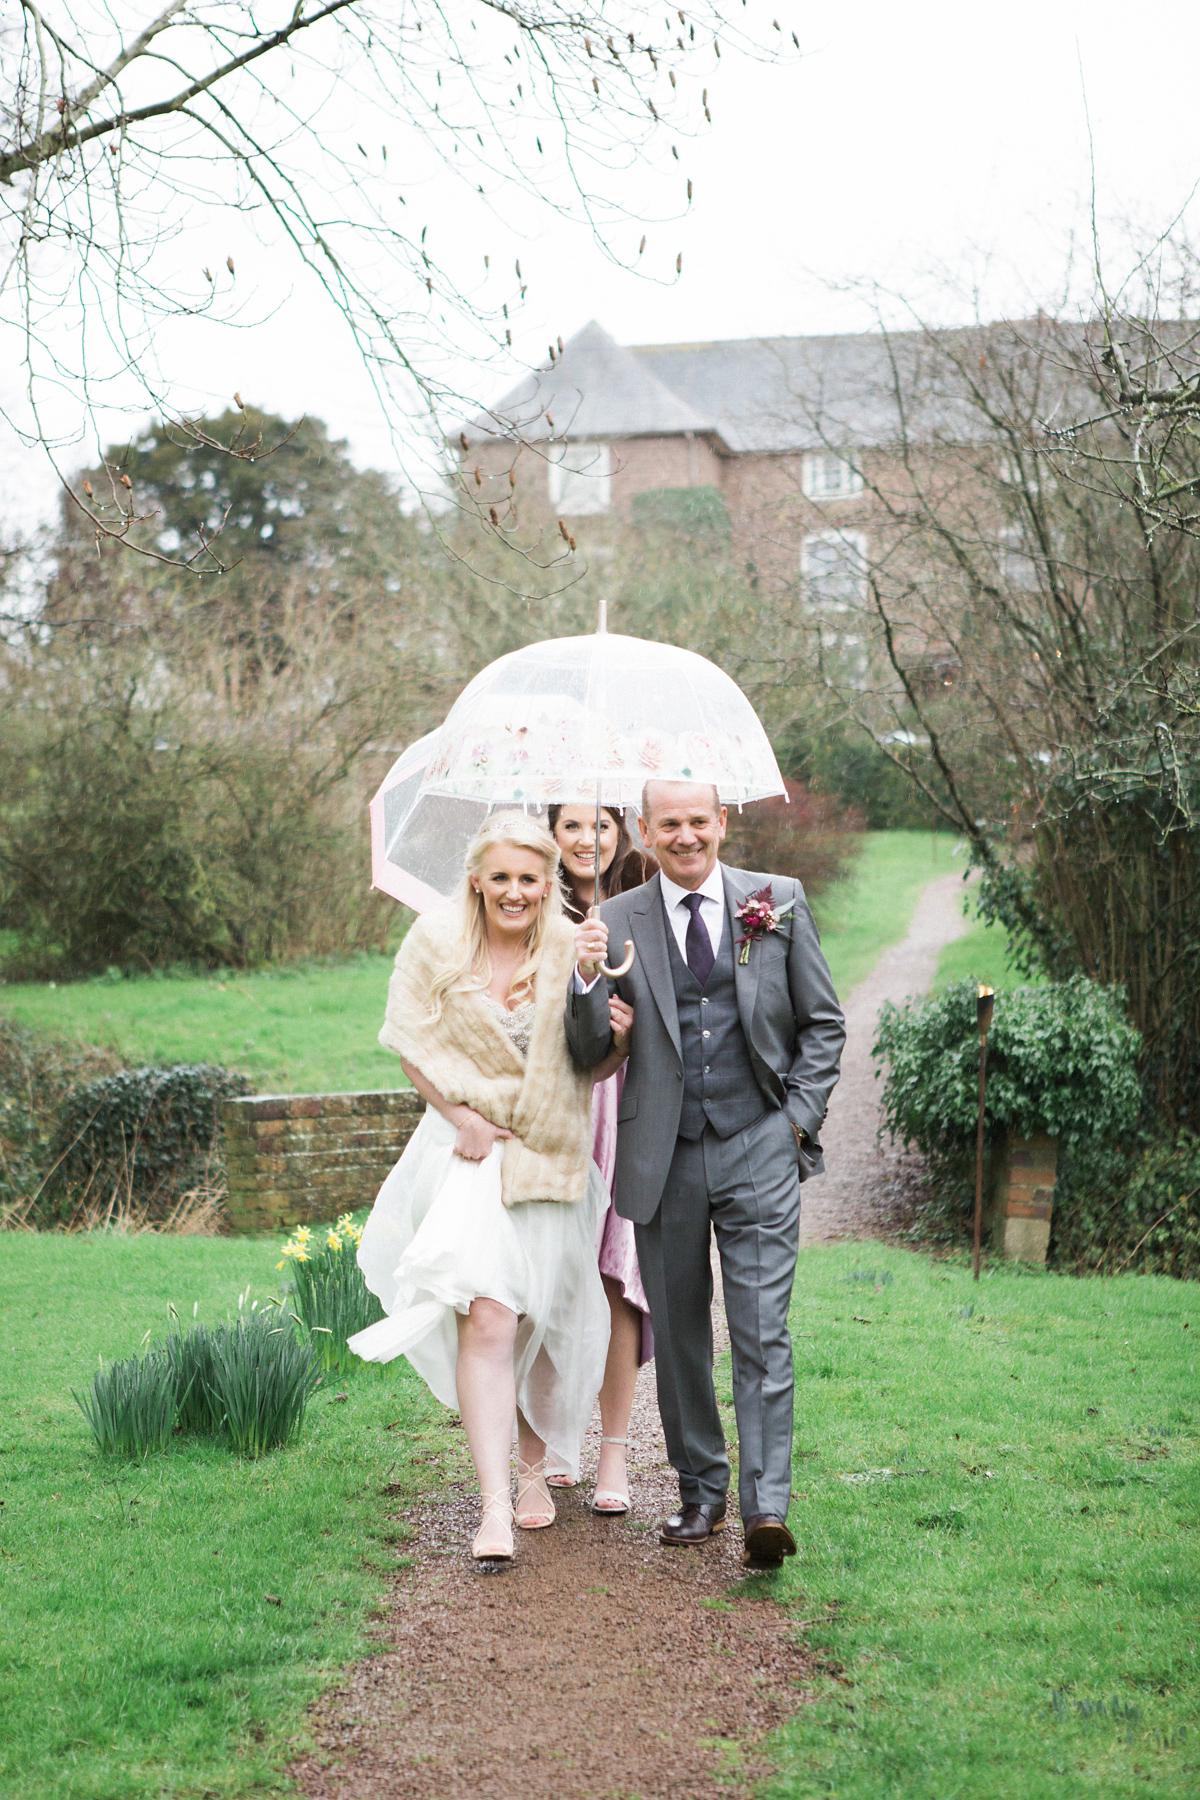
(661, 781)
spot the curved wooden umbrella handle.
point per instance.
(622, 968)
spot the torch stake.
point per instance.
(984, 1003)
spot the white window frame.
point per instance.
(579, 477)
(852, 546)
(1018, 566)
(824, 475)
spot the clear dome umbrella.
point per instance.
(565, 720)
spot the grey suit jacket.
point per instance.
(790, 1016)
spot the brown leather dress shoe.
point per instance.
(692, 1524)
(768, 1541)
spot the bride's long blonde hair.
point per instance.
(472, 966)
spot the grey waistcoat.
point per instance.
(719, 1085)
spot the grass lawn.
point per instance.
(305, 1028)
(861, 916)
(1014, 1613)
(139, 1655)
(979, 953)
(312, 1027)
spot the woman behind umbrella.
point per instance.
(481, 1244)
(631, 1342)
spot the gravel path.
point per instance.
(602, 1667)
(846, 1201)
(599, 1667)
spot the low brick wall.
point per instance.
(1022, 1197)
(300, 1159)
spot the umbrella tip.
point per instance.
(601, 616)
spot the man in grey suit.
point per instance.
(734, 1054)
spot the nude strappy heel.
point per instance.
(607, 1503)
(531, 1477)
(497, 1511)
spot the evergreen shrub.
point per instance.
(839, 758)
(1130, 1207)
(150, 1134)
(686, 510)
(36, 1076)
(1062, 1060)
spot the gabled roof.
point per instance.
(773, 394)
(595, 389)
(764, 395)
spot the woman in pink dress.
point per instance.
(631, 1341)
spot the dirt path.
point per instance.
(602, 1667)
(845, 1201)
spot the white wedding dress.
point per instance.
(440, 1236)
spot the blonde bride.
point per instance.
(481, 1243)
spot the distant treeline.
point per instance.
(188, 753)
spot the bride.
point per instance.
(481, 1243)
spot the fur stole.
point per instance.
(544, 1099)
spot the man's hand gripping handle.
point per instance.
(591, 947)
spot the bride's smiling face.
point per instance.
(513, 884)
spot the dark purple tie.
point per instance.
(698, 945)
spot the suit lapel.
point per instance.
(745, 974)
(649, 928)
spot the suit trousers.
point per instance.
(746, 1188)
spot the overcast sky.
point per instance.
(907, 144)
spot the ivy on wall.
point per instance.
(151, 1134)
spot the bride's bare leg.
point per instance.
(487, 1400)
(620, 1379)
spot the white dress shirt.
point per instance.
(712, 915)
(712, 908)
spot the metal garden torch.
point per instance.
(984, 1006)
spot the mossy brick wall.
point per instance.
(299, 1159)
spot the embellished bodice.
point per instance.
(516, 1025)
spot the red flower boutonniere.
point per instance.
(758, 915)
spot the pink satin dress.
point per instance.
(616, 1251)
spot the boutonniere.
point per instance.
(757, 916)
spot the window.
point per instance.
(833, 568)
(829, 477)
(579, 477)
(1017, 566)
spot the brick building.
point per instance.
(775, 433)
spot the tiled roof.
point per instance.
(767, 394)
(595, 389)
(751, 395)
